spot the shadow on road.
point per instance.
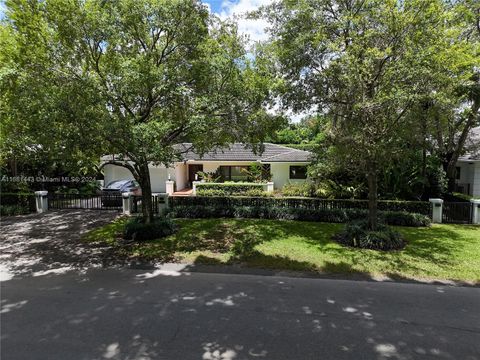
(176, 314)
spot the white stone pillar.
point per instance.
(437, 210)
(127, 203)
(41, 201)
(170, 187)
(162, 203)
(194, 187)
(475, 211)
(270, 186)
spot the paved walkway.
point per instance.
(167, 314)
(50, 242)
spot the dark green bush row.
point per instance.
(11, 210)
(220, 192)
(276, 213)
(227, 189)
(402, 218)
(419, 207)
(136, 230)
(356, 234)
(20, 200)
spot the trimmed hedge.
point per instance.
(228, 189)
(402, 218)
(17, 203)
(419, 207)
(136, 230)
(221, 193)
(12, 210)
(277, 213)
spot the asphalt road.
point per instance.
(164, 314)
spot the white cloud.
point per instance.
(254, 29)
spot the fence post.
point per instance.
(162, 203)
(437, 212)
(127, 203)
(270, 186)
(475, 211)
(170, 187)
(194, 187)
(41, 201)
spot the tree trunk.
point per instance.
(372, 195)
(144, 180)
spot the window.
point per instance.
(457, 172)
(233, 173)
(298, 172)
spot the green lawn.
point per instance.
(440, 252)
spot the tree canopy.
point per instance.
(367, 65)
(131, 78)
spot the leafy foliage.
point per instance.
(285, 213)
(229, 189)
(137, 230)
(130, 78)
(367, 66)
(358, 234)
(257, 173)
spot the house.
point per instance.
(468, 167)
(286, 165)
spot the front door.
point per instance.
(192, 170)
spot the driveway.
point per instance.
(50, 242)
(170, 314)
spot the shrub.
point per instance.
(257, 192)
(306, 189)
(402, 218)
(17, 203)
(135, 229)
(210, 192)
(285, 213)
(227, 189)
(357, 234)
(11, 210)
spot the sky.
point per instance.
(255, 29)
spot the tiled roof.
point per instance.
(240, 152)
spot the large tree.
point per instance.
(453, 109)
(362, 63)
(130, 78)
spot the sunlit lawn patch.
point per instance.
(439, 252)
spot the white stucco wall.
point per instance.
(181, 176)
(281, 174)
(158, 176)
(469, 175)
(476, 180)
(113, 172)
(179, 173)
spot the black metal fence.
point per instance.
(457, 212)
(421, 207)
(77, 201)
(156, 201)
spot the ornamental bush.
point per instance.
(419, 207)
(135, 229)
(228, 189)
(289, 213)
(12, 210)
(357, 234)
(402, 218)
